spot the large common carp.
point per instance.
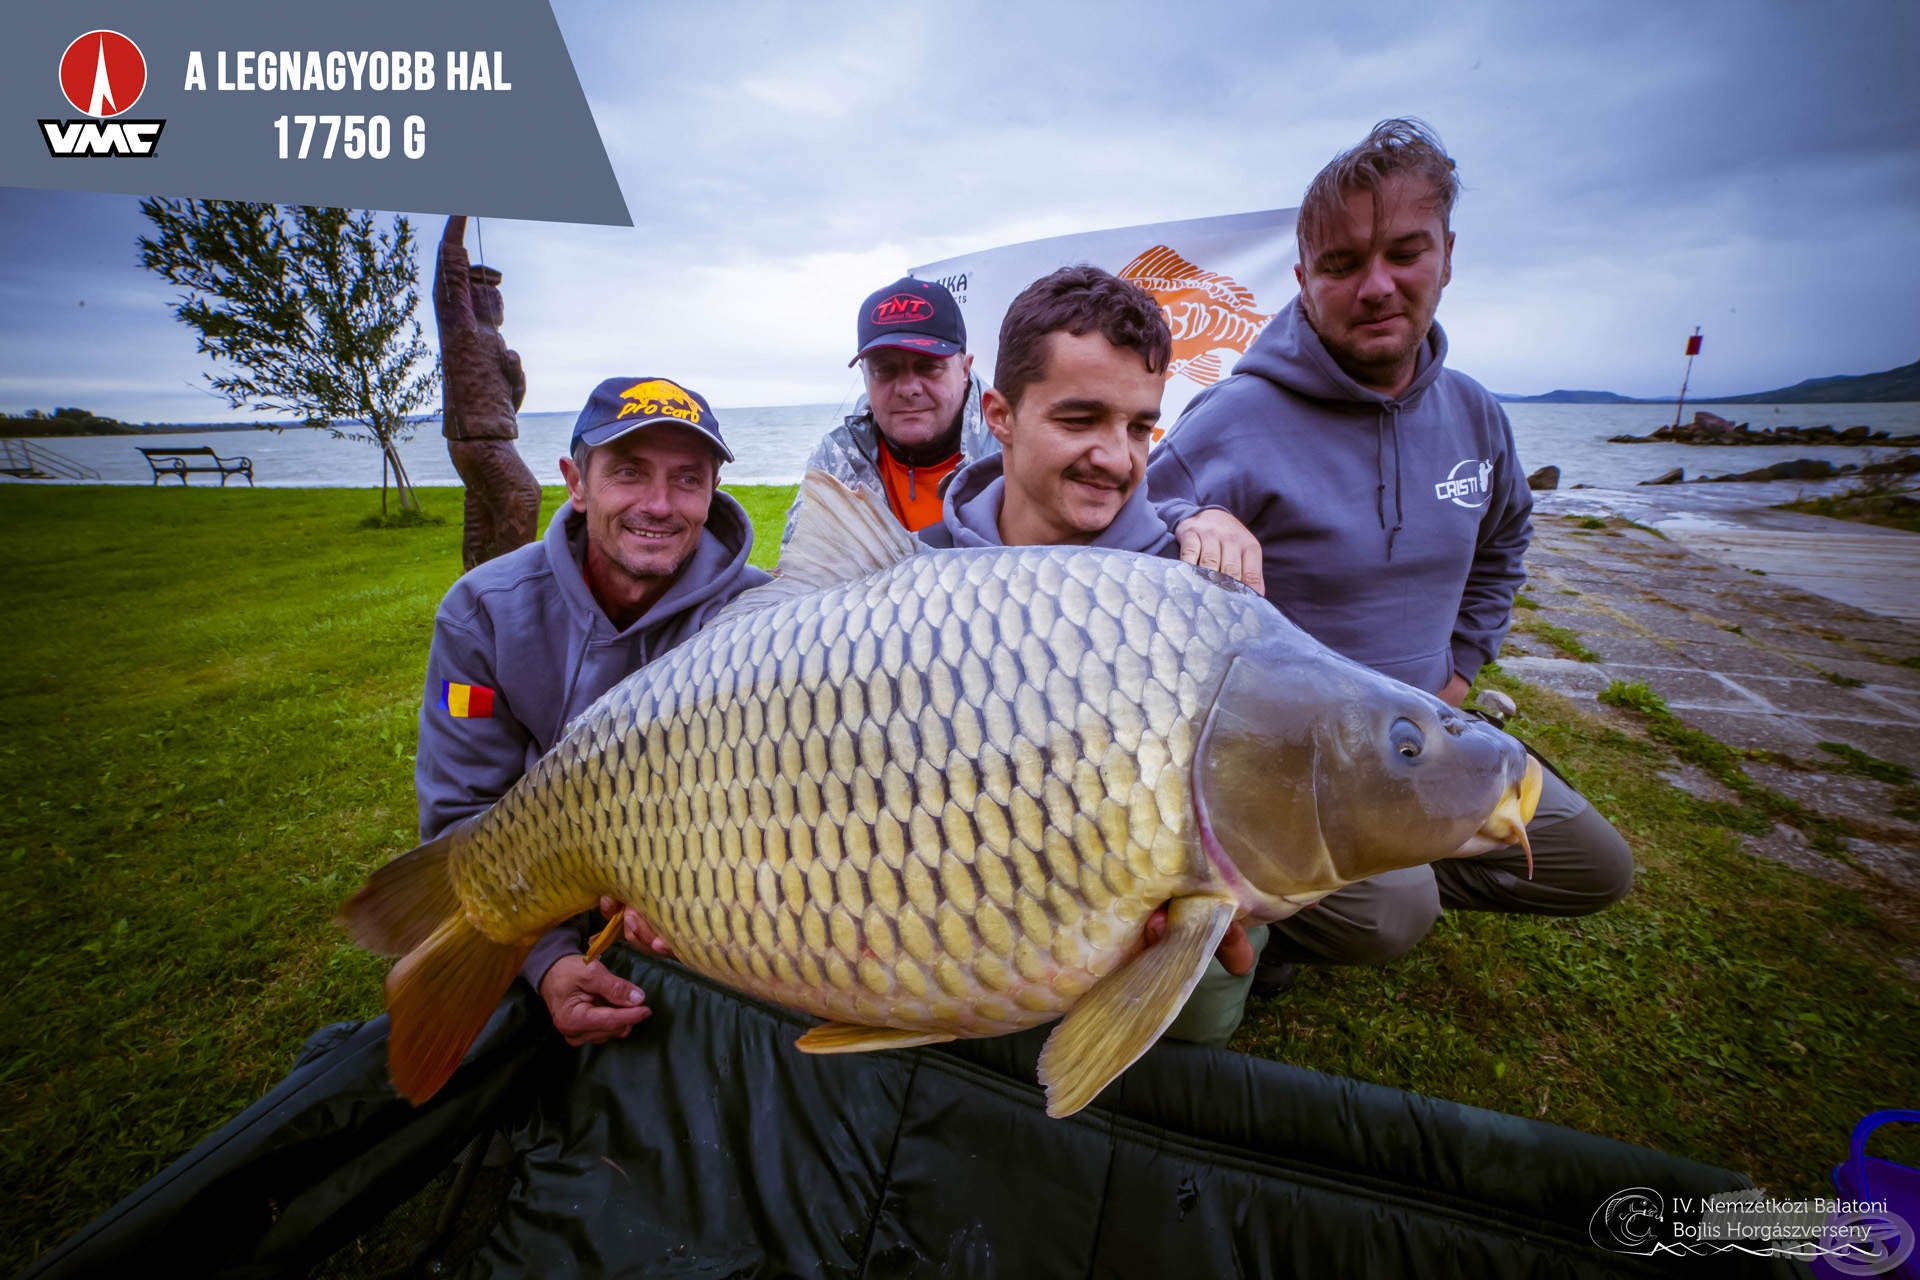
(932, 794)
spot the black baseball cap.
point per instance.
(913, 315)
(620, 405)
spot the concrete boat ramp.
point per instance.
(1768, 630)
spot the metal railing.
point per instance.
(29, 461)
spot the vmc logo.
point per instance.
(102, 74)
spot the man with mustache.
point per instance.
(1076, 393)
(643, 552)
(1394, 514)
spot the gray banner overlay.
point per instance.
(529, 151)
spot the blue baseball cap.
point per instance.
(620, 405)
(913, 315)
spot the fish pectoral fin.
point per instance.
(848, 1037)
(1125, 1012)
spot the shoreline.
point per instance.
(1866, 566)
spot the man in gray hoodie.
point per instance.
(643, 552)
(1393, 513)
(1075, 397)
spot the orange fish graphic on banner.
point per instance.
(1212, 315)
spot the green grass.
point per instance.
(1635, 694)
(1565, 640)
(1869, 766)
(207, 733)
(1721, 761)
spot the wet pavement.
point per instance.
(1768, 630)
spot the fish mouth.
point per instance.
(1507, 824)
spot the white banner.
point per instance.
(1218, 280)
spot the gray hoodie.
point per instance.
(973, 516)
(1394, 529)
(526, 627)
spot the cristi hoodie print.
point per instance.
(1393, 528)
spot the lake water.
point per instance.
(772, 444)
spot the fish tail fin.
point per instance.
(439, 998)
(450, 976)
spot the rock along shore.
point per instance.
(1711, 428)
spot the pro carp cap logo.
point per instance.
(660, 398)
(902, 308)
(103, 73)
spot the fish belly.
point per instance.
(944, 797)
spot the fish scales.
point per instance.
(954, 880)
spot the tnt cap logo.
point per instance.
(920, 315)
(102, 74)
(902, 308)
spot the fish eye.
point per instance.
(1406, 738)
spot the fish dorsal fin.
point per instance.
(839, 535)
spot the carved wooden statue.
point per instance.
(483, 386)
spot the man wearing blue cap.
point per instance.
(644, 551)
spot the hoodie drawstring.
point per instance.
(1380, 427)
(1399, 514)
(1380, 468)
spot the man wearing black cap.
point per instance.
(645, 550)
(920, 418)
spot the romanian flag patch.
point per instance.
(466, 701)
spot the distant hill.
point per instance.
(1866, 388)
(1574, 397)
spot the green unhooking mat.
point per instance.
(706, 1145)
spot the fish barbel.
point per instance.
(935, 794)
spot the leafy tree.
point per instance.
(313, 310)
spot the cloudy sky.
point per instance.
(1632, 170)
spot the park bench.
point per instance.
(180, 462)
